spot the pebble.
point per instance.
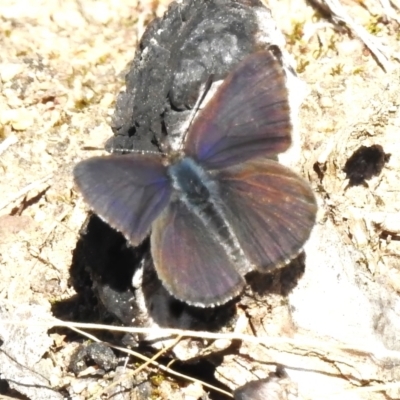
(19, 119)
(9, 71)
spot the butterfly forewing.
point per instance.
(248, 117)
(127, 191)
(270, 208)
(192, 265)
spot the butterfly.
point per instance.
(222, 205)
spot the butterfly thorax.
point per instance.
(192, 182)
(197, 189)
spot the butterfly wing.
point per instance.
(127, 191)
(248, 116)
(270, 208)
(192, 265)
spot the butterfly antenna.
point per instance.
(92, 148)
(205, 89)
(114, 150)
(136, 151)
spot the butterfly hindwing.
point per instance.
(270, 209)
(192, 265)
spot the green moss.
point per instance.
(302, 65)
(374, 26)
(82, 104)
(2, 133)
(296, 34)
(332, 43)
(103, 59)
(156, 380)
(337, 69)
(358, 70)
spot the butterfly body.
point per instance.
(192, 181)
(223, 206)
(199, 192)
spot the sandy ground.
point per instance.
(62, 64)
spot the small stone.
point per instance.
(19, 119)
(9, 71)
(78, 386)
(107, 100)
(389, 222)
(94, 387)
(193, 391)
(22, 125)
(100, 12)
(326, 102)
